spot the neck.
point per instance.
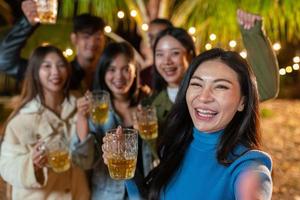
(121, 100)
(54, 101)
(88, 65)
(173, 85)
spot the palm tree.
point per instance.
(281, 18)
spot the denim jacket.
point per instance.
(89, 154)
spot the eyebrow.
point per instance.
(175, 48)
(215, 81)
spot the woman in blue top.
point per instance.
(209, 149)
(210, 146)
(116, 73)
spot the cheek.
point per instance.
(42, 74)
(158, 61)
(189, 97)
(229, 107)
(107, 77)
(182, 61)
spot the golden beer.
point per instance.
(99, 113)
(47, 11)
(47, 17)
(59, 160)
(120, 168)
(148, 130)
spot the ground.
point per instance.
(281, 138)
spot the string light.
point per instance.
(69, 52)
(121, 14)
(243, 54)
(192, 30)
(145, 27)
(277, 46)
(282, 71)
(133, 13)
(212, 37)
(232, 43)
(45, 44)
(296, 66)
(296, 59)
(288, 69)
(208, 46)
(107, 29)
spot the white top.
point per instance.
(172, 93)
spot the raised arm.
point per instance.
(12, 44)
(259, 54)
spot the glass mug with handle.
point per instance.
(58, 154)
(99, 106)
(122, 149)
(47, 11)
(146, 120)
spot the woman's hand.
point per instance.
(107, 142)
(39, 156)
(83, 106)
(247, 20)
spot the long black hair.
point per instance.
(109, 54)
(185, 40)
(243, 128)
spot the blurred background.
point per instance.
(212, 23)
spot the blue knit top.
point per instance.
(201, 176)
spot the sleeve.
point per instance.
(263, 181)
(132, 190)
(262, 60)
(10, 49)
(83, 152)
(16, 164)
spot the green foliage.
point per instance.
(281, 17)
(266, 113)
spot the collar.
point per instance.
(35, 105)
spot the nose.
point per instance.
(54, 69)
(167, 59)
(119, 74)
(205, 95)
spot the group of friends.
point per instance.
(209, 144)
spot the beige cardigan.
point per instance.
(16, 165)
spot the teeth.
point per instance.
(205, 111)
(170, 69)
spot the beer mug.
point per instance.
(146, 120)
(58, 156)
(47, 11)
(122, 150)
(99, 106)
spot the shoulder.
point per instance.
(21, 125)
(254, 162)
(255, 156)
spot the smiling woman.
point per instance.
(210, 146)
(45, 110)
(118, 74)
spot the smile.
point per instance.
(205, 114)
(170, 70)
